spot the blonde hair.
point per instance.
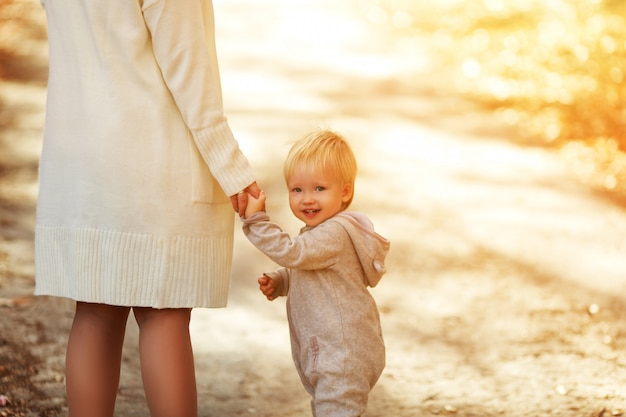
(320, 151)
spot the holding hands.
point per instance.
(255, 204)
(239, 201)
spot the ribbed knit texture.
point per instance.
(137, 160)
(141, 269)
(221, 152)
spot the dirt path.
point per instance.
(503, 296)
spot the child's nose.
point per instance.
(307, 197)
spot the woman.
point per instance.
(134, 213)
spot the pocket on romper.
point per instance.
(204, 187)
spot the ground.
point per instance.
(503, 295)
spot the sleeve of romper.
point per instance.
(183, 41)
(281, 280)
(316, 248)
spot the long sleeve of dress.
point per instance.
(183, 39)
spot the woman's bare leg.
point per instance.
(167, 364)
(93, 361)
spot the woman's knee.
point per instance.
(178, 316)
(107, 315)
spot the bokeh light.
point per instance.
(554, 69)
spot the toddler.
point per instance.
(335, 331)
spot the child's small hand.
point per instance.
(255, 204)
(267, 287)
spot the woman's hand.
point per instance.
(239, 201)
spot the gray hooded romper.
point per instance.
(336, 337)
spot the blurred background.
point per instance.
(490, 140)
(552, 69)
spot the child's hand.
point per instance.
(255, 204)
(267, 287)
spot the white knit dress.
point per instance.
(137, 159)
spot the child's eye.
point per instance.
(296, 190)
(319, 188)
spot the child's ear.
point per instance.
(346, 192)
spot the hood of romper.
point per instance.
(371, 248)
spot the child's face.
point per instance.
(316, 196)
